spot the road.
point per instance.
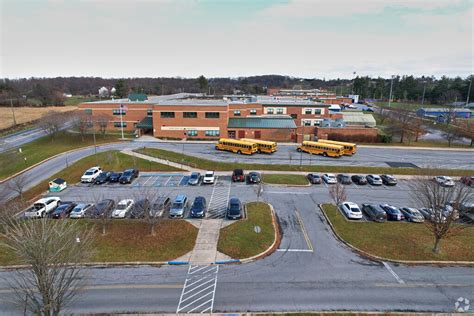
(314, 273)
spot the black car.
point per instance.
(393, 213)
(314, 178)
(359, 179)
(374, 212)
(63, 210)
(388, 179)
(344, 179)
(140, 208)
(159, 206)
(114, 177)
(253, 177)
(103, 177)
(198, 209)
(234, 209)
(238, 175)
(128, 176)
(103, 208)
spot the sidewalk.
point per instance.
(158, 160)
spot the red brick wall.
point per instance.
(278, 135)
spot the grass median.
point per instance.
(401, 240)
(226, 166)
(131, 241)
(13, 161)
(239, 240)
(289, 179)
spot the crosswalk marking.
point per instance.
(199, 290)
(219, 199)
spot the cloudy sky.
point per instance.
(231, 38)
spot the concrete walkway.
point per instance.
(158, 160)
(205, 249)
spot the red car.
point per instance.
(238, 175)
(468, 180)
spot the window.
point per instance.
(317, 123)
(294, 116)
(317, 111)
(88, 111)
(307, 123)
(279, 111)
(212, 115)
(190, 114)
(167, 114)
(269, 110)
(212, 133)
(118, 111)
(307, 111)
(237, 112)
(192, 133)
(149, 112)
(253, 112)
(117, 124)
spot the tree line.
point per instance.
(50, 91)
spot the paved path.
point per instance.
(205, 249)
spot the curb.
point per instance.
(228, 261)
(380, 259)
(52, 157)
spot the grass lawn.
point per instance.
(291, 179)
(225, 166)
(130, 240)
(13, 161)
(76, 99)
(239, 240)
(401, 240)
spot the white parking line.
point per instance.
(387, 266)
(169, 178)
(149, 178)
(294, 250)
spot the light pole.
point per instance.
(468, 91)
(424, 89)
(13, 112)
(390, 98)
(121, 118)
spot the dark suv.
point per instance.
(128, 176)
(234, 209)
(198, 209)
(374, 212)
(359, 179)
(388, 179)
(238, 175)
(253, 178)
(393, 213)
(344, 179)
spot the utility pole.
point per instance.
(121, 118)
(390, 98)
(469, 91)
(424, 89)
(14, 118)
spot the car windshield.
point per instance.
(209, 174)
(77, 209)
(355, 210)
(234, 208)
(127, 173)
(194, 176)
(121, 206)
(177, 205)
(89, 173)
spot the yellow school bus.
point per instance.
(237, 146)
(318, 148)
(349, 148)
(263, 146)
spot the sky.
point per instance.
(229, 38)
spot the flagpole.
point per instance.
(121, 120)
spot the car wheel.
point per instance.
(325, 154)
(239, 152)
(298, 150)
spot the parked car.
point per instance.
(374, 179)
(179, 206)
(468, 180)
(412, 214)
(43, 207)
(374, 212)
(351, 210)
(128, 176)
(467, 211)
(209, 177)
(393, 213)
(329, 178)
(359, 179)
(91, 174)
(103, 177)
(238, 175)
(428, 214)
(198, 208)
(123, 208)
(449, 208)
(234, 209)
(388, 179)
(160, 205)
(344, 178)
(103, 208)
(444, 181)
(140, 208)
(254, 178)
(115, 177)
(63, 210)
(79, 211)
(194, 178)
(314, 178)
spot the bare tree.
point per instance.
(466, 129)
(51, 123)
(148, 206)
(53, 252)
(417, 127)
(451, 134)
(18, 185)
(102, 121)
(338, 192)
(103, 209)
(401, 121)
(443, 203)
(81, 123)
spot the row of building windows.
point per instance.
(278, 111)
(118, 111)
(310, 122)
(212, 115)
(252, 112)
(312, 111)
(120, 124)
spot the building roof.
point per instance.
(358, 118)
(137, 97)
(193, 102)
(150, 100)
(265, 100)
(147, 123)
(262, 122)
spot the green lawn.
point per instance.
(401, 240)
(77, 99)
(13, 161)
(130, 240)
(290, 179)
(239, 240)
(225, 166)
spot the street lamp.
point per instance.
(424, 89)
(391, 87)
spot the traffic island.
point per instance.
(400, 242)
(254, 237)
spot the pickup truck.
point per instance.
(42, 207)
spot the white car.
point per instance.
(374, 179)
(43, 207)
(444, 181)
(209, 177)
(123, 208)
(351, 210)
(80, 210)
(329, 178)
(91, 174)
